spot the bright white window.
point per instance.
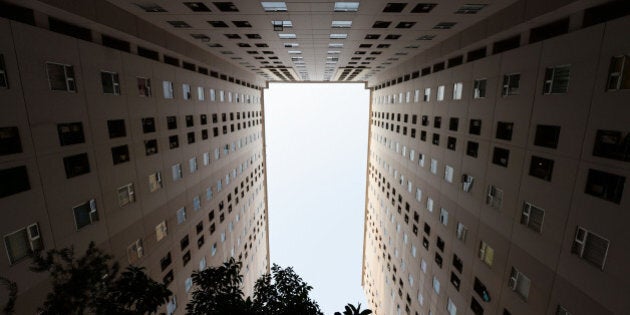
(427, 95)
(434, 166)
(341, 24)
(196, 203)
(451, 308)
(171, 306)
(23, 243)
(221, 96)
(206, 158)
(480, 88)
(192, 165)
(188, 283)
(440, 93)
(416, 96)
(177, 171)
(412, 155)
(85, 214)
(202, 263)
(457, 90)
(418, 194)
(430, 204)
(413, 251)
(276, 6)
(448, 173)
(201, 94)
(436, 285)
(161, 231)
(213, 250)
(486, 253)
(287, 36)
(181, 215)
(229, 97)
(213, 95)
(186, 91)
(346, 6)
(209, 193)
(400, 97)
(409, 186)
(219, 185)
(443, 216)
(421, 160)
(167, 87)
(126, 195)
(411, 280)
(519, 283)
(423, 265)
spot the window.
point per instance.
(475, 127)
(448, 173)
(200, 94)
(547, 136)
(481, 289)
(70, 133)
(455, 281)
(10, 141)
(213, 96)
(150, 147)
(4, 81)
(274, 6)
(605, 185)
(148, 125)
(192, 165)
(500, 156)
(453, 124)
(167, 86)
(436, 285)
(479, 88)
(443, 216)
(161, 231)
(196, 203)
(562, 311)
(120, 154)
(504, 130)
(451, 308)
(135, 251)
(155, 181)
(457, 90)
(519, 283)
(612, 144)
(472, 148)
(110, 82)
(144, 86)
(541, 168)
(23, 243)
(532, 217)
(486, 253)
(85, 214)
(494, 197)
(556, 79)
(510, 84)
(116, 128)
(346, 6)
(181, 215)
(618, 73)
(186, 91)
(458, 263)
(467, 182)
(434, 165)
(76, 165)
(451, 143)
(126, 195)
(461, 232)
(177, 171)
(61, 77)
(173, 142)
(427, 95)
(430, 204)
(440, 93)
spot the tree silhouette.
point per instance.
(12, 288)
(90, 284)
(351, 310)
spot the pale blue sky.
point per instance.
(316, 137)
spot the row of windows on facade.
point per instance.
(61, 77)
(594, 251)
(25, 241)
(532, 216)
(600, 184)
(556, 81)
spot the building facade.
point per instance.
(498, 148)
(498, 166)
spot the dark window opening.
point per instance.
(173, 142)
(605, 185)
(547, 136)
(150, 147)
(76, 165)
(148, 125)
(457, 263)
(148, 53)
(171, 122)
(612, 144)
(189, 121)
(455, 281)
(394, 7)
(606, 12)
(541, 168)
(10, 142)
(476, 54)
(116, 43)
(70, 133)
(549, 30)
(13, 180)
(506, 44)
(455, 61)
(189, 66)
(69, 29)
(116, 128)
(17, 13)
(472, 148)
(171, 60)
(191, 137)
(438, 67)
(120, 154)
(453, 124)
(500, 156)
(504, 130)
(451, 143)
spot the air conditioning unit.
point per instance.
(93, 213)
(34, 237)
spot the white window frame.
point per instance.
(467, 182)
(161, 231)
(186, 91)
(201, 94)
(177, 171)
(518, 282)
(69, 76)
(494, 197)
(530, 210)
(480, 88)
(461, 232)
(155, 181)
(440, 93)
(434, 166)
(443, 216)
(127, 192)
(448, 173)
(427, 95)
(167, 88)
(617, 79)
(213, 95)
(581, 242)
(486, 253)
(508, 87)
(32, 238)
(113, 76)
(92, 214)
(181, 215)
(551, 79)
(135, 251)
(192, 165)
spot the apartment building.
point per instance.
(498, 148)
(497, 169)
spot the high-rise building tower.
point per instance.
(498, 148)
